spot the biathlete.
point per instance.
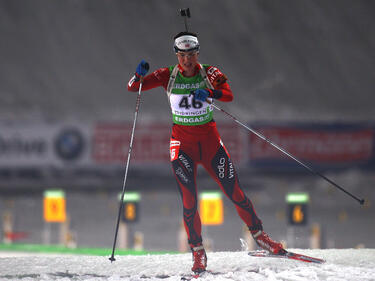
(191, 87)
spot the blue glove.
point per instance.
(142, 68)
(200, 94)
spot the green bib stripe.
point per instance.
(185, 109)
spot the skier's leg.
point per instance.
(184, 170)
(222, 170)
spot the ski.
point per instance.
(196, 275)
(203, 274)
(286, 255)
(209, 273)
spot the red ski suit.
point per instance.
(201, 144)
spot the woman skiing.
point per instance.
(191, 88)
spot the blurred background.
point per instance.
(302, 73)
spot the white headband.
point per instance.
(186, 43)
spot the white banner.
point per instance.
(44, 144)
(96, 144)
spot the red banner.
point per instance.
(151, 143)
(327, 146)
(111, 143)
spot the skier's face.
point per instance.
(188, 61)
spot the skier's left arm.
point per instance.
(221, 91)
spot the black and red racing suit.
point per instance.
(201, 144)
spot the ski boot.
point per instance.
(199, 259)
(265, 242)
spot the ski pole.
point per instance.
(361, 201)
(137, 104)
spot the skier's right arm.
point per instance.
(157, 78)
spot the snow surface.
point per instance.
(343, 264)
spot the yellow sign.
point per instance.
(54, 206)
(131, 201)
(298, 215)
(211, 208)
(130, 211)
(297, 207)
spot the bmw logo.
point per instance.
(69, 144)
